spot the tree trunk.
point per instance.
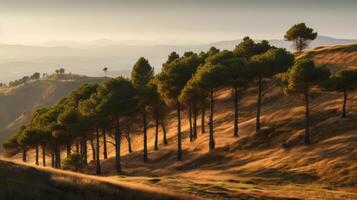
(300, 44)
(24, 154)
(68, 147)
(77, 148)
(52, 158)
(203, 121)
(344, 114)
(93, 150)
(179, 144)
(81, 148)
(307, 122)
(236, 133)
(129, 142)
(105, 153)
(257, 128)
(43, 155)
(190, 123)
(164, 131)
(156, 129)
(84, 149)
(117, 145)
(195, 121)
(97, 171)
(56, 155)
(145, 156)
(36, 148)
(211, 136)
(59, 156)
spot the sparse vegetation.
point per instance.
(24, 80)
(94, 112)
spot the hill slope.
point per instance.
(56, 184)
(18, 103)
(336, 57)
(257, 166)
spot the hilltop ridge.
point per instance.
(18, 103)
(336, 58)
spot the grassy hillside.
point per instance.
(18, 103)
(257, 166)
(52, 184)
(335, 57)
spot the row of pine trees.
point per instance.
(94, 112)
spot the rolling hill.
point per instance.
(18, 103)
(257, 166)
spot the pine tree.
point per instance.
(300, 79)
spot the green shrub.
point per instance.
(73, 162)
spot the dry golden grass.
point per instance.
(257, 166)
(24, 182)
(336, 57)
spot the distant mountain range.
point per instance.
(90, 58)
(319, 41)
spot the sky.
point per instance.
(34, 22)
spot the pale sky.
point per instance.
(170, 21)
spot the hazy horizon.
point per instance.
(169, 22)
(95, 30)
(108, 42)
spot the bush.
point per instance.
(73, 162)
(11, 147)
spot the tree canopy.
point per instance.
(142, 73)
(248, 48)
(303, 75)
(344, 81)
(300, 35)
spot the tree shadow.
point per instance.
(278, 176)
